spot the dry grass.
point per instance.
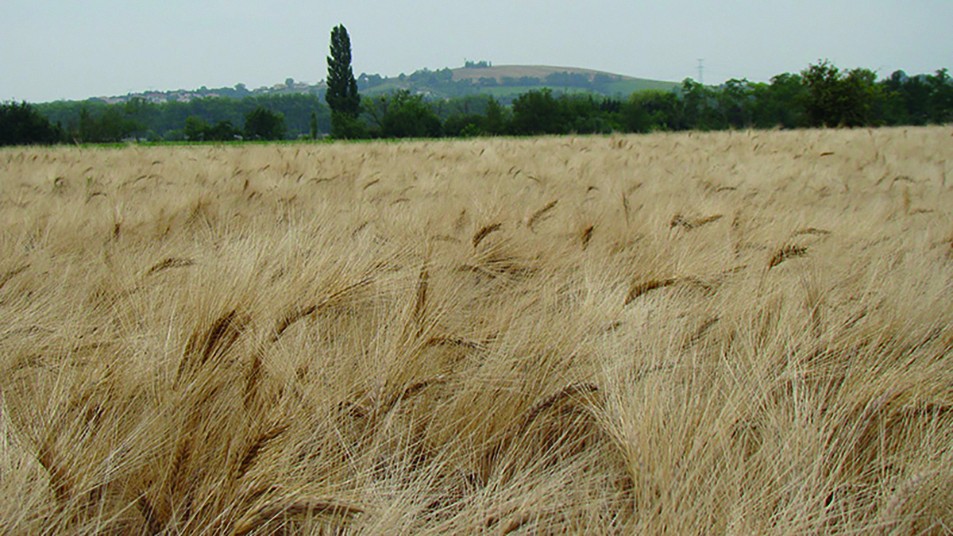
(688, 334)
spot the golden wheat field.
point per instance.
(729, 333)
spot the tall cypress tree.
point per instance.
(342, 95)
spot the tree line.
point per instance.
(205, 119)
(822, 95)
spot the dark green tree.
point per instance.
(538, 112)
(585, 114)
(140, 114)
(85, 129)
(408, 116)
(700, 106)
(109, 124)
(651, 110)
(223, 131)
(735, 103)
(464, 125)
(497, 118)
(21, 124)
(839, 98)
(114, 125)
(823, 104)
(263, 124)
(635, 115)
(342, 95)
(196, 128)
(472, 115)
(862, 98)
(895, 108)
(941, 96)
(780, 103)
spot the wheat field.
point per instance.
(727, 333)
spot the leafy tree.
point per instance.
(497, 118)
(941, 95)
(463, 105)
(735, 102)
(22, 124)
(894, 108)
(223, 131)
(920, 99)
(464, 125)
(836, 98)
(473, 115)
(140, 114)
(108, 125)
(85, 126)
(823, 100)
(538, 112)
(297, 110)
(263, 124)
(584, 114)
(634, 117)
(408, 116)
(861, 98)
(700, 105)
(780, 103)
(373, 110)
(196, 128)
(342, 95)
(651, 110)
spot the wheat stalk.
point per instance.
(681, 221)
(586, 236)
(785, 253)
(215, 341)
(571, 391)
(255, 447)
(302, 312)
(484, 232)
(420, 303)
(171, 262)
(646, 286)
(539, 214)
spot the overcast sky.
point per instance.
(61, 49)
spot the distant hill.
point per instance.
(541, 72)
(504, 82)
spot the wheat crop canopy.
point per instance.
(688, 333)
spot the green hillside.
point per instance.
(506, 82)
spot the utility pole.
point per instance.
(701, 71)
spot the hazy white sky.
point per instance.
(54, 49)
